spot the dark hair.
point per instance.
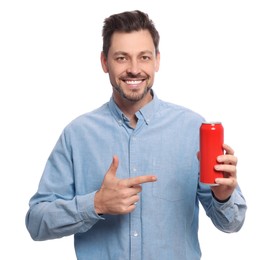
(128, 22)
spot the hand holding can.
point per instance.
(211, 146)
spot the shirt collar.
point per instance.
(144, 113)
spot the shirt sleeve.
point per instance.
(228, 216)
(55, 210)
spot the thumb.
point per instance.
(198, 155)
(113, 167)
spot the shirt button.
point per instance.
(135, 234)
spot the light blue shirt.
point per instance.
(164, 224)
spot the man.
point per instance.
(124, 178)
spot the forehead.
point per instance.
(136, 41)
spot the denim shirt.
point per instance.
(164, 224)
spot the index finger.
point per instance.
(228, 149)
(140, 179)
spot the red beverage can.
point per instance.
(211, 146)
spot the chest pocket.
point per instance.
(174, 184)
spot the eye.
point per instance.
(121, 59)
(146, 58)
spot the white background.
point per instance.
(212, 61)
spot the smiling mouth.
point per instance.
(133, 82)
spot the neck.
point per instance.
(129, 108)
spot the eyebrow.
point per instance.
(126, 53)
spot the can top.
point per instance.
(212, 123)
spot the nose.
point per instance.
(133, 67)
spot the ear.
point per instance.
(104, 63)
(157, 61)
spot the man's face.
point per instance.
(132, 63)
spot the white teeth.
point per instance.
(133, 82)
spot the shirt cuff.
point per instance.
(221, 201)
(85, 204)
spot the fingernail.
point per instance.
(217, 167)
